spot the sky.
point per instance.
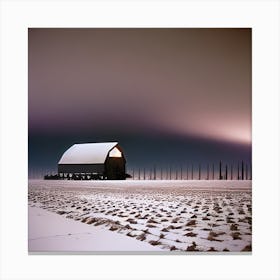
(169, 96)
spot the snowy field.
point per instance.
(140, 216)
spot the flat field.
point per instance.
(180, 216)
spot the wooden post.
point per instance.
(161, 173)
(226, 175)
(207, 171)
(181, 172)
(192, 171)
(220, 171)
(213, 170)
(187, 172)
(169, 172)
(242, 170)
(246, 171)
(231, 175)
(199, 172)
(251, 175)
(238, 175)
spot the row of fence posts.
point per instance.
(242, 171)
(40, 173)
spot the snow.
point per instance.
(170, 215)
(51, 232)
(88, 153)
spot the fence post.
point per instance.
(226, 175)
(192, 171)
(251, 175)
(238, 175)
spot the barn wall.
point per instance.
(81, 168)
(115, 168)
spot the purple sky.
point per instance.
(188, 87)
(183, 81)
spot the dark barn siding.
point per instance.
(81, 168)
(115, 168)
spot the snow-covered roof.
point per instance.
(88, 153)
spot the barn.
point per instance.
(93, 160)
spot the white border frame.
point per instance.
(17, 16)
